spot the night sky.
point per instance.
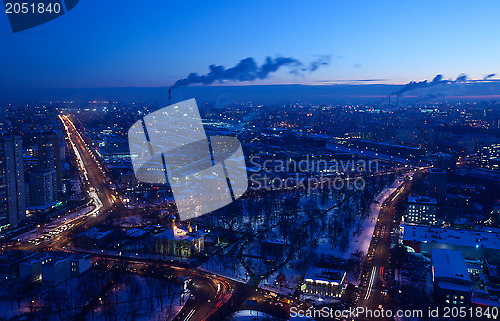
(153, 43)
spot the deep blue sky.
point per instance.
(152, 43)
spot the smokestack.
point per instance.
(397, 100)
(170, 94)
(389, 100)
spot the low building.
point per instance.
(175, 241)
(495, 212)
(273, 247)
(52, 268)
(135, 233)
(93, 238)
(10, 261)
(487, 304)
(390, 149)
(421, 210)
(325, 282)
(56, 268)
(452, 283)
(482, 244)
(474, 267)
(31, 269)
(80, 263)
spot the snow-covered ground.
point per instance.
(293, 278)
(359, 238)
(360, 242)
(230, 268)
(10, 309)
(141, 299)
(131, 221)
(134, 298)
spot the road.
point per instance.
(215, 296)
(93, 173)
(96, 183)
(209, 293)
(212, 292)
(374, 294)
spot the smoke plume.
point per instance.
(248, 70)
(438, 80)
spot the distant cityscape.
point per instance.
(392, 206)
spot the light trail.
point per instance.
(91, 191)
(190, 314)
(370, 284)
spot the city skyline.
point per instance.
(228, 161)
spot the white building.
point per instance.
(56, 268)
(80, 263)
(325, 282)
(175, 241)
(52, 268)
(31, 269)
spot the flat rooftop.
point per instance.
(325, 275)
(489, 239)
(421, 200)
(449, 264)
(95, 234)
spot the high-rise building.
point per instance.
(43, 188)
(50, 154)
(12, 185)
(437, 185)
(421, 210)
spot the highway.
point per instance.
(212, 292)
(374, 293)
(93, 173)
(96, 184)
(214, 296)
